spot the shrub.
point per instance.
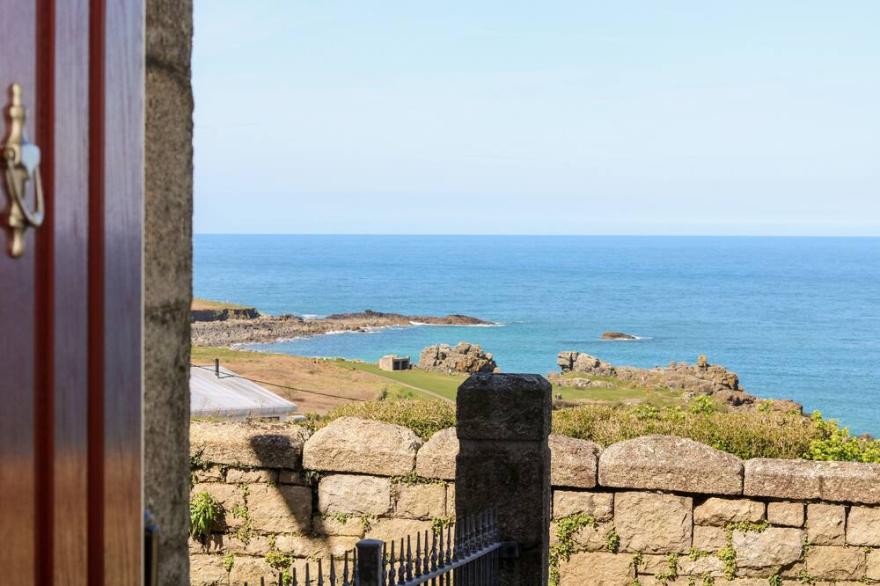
(423, 417)
(747, 434)
(835, 443)
(204, 511)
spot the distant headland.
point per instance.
(222, 324)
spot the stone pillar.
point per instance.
(504, 463)
(168, 280)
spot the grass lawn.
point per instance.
(366, 381)
(618, 392)
(201, 304)
(445, 385)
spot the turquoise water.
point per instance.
(796, 318)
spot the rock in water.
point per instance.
(464, 357)
(617, 336)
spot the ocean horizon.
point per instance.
(795, 317)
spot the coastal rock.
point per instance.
(579, 362)
(617, 336)
(267, 328)
(464, 357)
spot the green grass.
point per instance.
(619, 391)
(198, 303)
(445, 385)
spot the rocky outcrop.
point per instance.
(463, 357)
(235, 329)
(223, 314)
(617, 336)
(571, 361)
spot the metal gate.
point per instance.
(465, 553)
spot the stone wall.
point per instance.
(167, 277)
(653, 510)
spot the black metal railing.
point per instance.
(465, 553)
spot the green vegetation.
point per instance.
(614, 390)
(728, 556)
(423, 417)
(199, 303)
(228, 562)
(566, 527)
(445, 385)
(204, 512)
(670, 572)
(747, 434)
(835, 443)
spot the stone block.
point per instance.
(352, 526)
(357, 495)
(846, 482)
(826, 524)
(721, 511)
(292, 477)
(351, 444)
(228, 496)
(308, 546)
(504, 407)
(238, 475)
(708, 565)
(394, 529)
(248, 569)
(420, 501)
(653, 523)
(836, 563)
(768, 550)
(210, 474)
(599, 505)
(251, 444)
(709, 538)
(785, 514)
(450, 500)
(436, 459)
(873, 564)
(206, 570)
(280, 509)
(574, 462)
(593, 537)
(659, 462)
(863, 526)
(596, 569)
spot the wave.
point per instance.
(489, 325)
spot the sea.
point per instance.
(795, 318)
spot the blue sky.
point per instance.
(537, 117)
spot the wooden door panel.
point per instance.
(63, 248)
(116, 218)
(70, 307)
(17, 318)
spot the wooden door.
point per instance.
(70, 305)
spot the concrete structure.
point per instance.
(392, 362)
(225, 394)
(168, 279)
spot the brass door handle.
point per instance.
(22, 164)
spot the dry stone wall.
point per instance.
(652, 510)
